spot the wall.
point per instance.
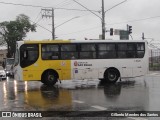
(2, 55)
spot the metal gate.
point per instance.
(154, 59)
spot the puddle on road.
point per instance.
(74, 84)
(36, 96)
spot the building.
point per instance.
(3, 53)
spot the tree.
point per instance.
(13, 31)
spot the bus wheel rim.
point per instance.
(111, 76)
(51, 77)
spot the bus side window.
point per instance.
(69, 51)
(131, 50)
(74, 55)
(54, 56)
(140, 50)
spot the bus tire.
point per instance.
(111, 75)
(49, 77)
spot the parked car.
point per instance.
(11, 71)
(2, 73)
(7, 64)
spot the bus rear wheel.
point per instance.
(111, 75)
(49, 78)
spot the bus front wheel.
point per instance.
(49, 77)
(111, 75)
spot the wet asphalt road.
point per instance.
(140, 94)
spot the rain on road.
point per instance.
(140, 94)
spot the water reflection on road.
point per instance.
(34, 96)
(127, 96)
(27, 96)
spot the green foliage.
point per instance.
(13, 31)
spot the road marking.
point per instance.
(99, 107)
(78, 101)
(137, 118)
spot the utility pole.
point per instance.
(49, 12)
(101, 18)
(143, 36)
(103, 21)
(103, 14)
(53, 28)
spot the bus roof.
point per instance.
(78, 41)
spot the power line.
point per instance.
(66, 21)
(21, 4)
(63, 3)
(116, 5)
(41, 26)
(82, 30)
(136, 20)
(85, 15)
(87, 9)
(110, 24)
(38, 20)
(37, 16)
(66, 4)
(43, 6)
(102, 18)
(49, 13)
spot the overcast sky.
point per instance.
(142, 15)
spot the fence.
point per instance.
(154, 60)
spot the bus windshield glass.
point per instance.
(28, 54)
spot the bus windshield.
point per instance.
(28, 54)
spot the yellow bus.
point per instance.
(107, 60)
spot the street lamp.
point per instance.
(66, 22)
(115, 5)
(103, 14)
